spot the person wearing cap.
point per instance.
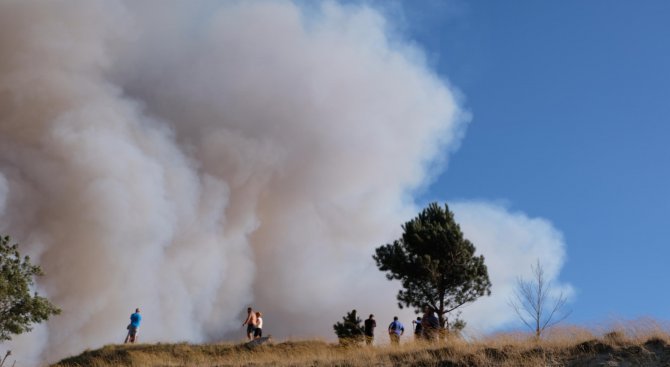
(369, 326)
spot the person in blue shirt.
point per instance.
(396, 329)
(133, 327)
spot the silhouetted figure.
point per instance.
(369, 328)
(430, 324)
(418, 329)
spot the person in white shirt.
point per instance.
(258, 333)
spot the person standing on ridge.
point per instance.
(430, 324)
(251, 323)
(396, 329)
(370, 325)
(258, 333)
(418, 329)
(133, 327)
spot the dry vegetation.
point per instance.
(640, 343)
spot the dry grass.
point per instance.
(642, 342)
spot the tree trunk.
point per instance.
(444, 321)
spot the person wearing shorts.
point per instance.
(133, 327)
(258, 333)
(250, 322)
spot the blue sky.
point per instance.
(569, 103)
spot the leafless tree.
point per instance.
(535, 303)
(2, 363)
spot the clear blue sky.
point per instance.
(571, 104)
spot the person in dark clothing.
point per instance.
(430, 324)
(418, 329)
(370, 325)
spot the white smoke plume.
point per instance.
(511, 243)
(191, 159)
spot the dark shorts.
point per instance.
(250, 329)
(132, 331)
(258, 332)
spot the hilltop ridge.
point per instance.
(576, 350)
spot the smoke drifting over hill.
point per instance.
(193, 159)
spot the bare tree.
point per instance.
(535, 304)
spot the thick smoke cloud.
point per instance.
(193, 159)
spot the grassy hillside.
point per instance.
(567, 347)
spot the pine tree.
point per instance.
(435, 264)
(349, 331)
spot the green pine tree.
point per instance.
(349, 331)
(435, 264)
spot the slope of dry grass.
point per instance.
(634, 344)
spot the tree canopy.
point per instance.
(435, 264)
(19, 306)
